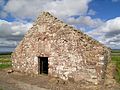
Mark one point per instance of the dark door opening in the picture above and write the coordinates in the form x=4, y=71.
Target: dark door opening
x=43, y=65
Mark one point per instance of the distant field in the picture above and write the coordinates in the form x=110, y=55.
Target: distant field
x=115, y=52
x=116, y=60
x=5, y=60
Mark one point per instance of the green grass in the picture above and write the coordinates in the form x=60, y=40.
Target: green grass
x=117, y=74
x=5, y=61
x=116, y=60
x=6, y=65
x=1, y=89
x=5, y=56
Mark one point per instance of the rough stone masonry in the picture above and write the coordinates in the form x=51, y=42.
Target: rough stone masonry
x=71, y=53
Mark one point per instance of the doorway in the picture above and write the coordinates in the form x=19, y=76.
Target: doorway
x=43, y=65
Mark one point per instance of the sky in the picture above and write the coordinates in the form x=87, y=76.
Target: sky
x=99, y=19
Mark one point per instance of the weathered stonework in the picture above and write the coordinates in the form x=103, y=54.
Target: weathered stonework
x=71, y=54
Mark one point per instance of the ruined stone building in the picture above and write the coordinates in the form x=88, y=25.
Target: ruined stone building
x=57, y=49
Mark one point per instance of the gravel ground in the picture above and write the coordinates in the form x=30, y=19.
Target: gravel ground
x=18, y=81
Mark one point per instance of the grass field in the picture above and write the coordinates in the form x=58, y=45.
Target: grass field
x=5, y=60
x=116, y=60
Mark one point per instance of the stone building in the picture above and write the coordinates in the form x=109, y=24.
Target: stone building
x=57, y=49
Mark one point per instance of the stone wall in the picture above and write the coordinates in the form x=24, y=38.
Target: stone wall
x=71, y=54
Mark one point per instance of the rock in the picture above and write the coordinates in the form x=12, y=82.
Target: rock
x=10, y=71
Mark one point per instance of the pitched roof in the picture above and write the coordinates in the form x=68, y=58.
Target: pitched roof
x=46, y=17
x=49, y=18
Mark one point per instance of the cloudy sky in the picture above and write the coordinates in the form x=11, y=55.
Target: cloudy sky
x=97, y=18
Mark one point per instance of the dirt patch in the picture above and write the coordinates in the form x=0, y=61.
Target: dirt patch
x=18, y=81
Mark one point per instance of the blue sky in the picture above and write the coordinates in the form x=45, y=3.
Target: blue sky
x=99, y=19
x=106, y=9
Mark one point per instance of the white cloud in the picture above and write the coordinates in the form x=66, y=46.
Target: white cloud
x=108, y=33
x=109, y=26
x=2, y=2
x=3, y=14
x=65, y=8
x=8, y=28
x=31, y=8
x=25, y=8
x=115, y=0
x=82, y=29
x=12, y=32
x=85, y=20
x=91, y=12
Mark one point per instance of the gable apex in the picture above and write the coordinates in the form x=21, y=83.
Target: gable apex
x=46, y=13
x=45, y=16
